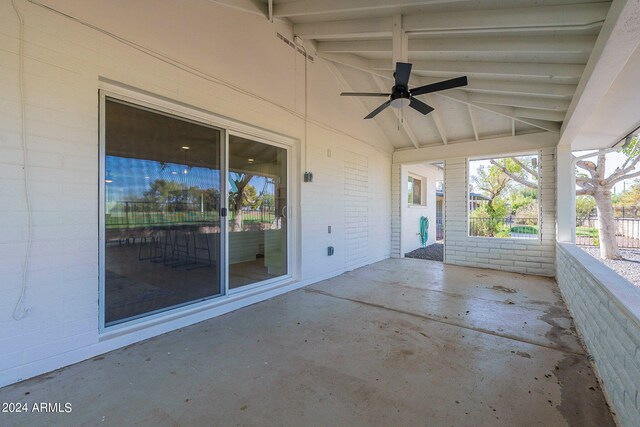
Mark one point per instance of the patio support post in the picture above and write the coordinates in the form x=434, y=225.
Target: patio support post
x=565, y=195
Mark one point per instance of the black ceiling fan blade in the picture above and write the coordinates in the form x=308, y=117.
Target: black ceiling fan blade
x=403, y=71
x=420, y=106
x=364, y=94
x=443, y=85
x=378, y=110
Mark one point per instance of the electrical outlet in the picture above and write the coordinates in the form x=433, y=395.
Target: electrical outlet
x=329, y=229
x=328, y=152
x=308, y=177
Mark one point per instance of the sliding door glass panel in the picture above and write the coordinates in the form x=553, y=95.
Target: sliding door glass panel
x=257, y=186
x=162, y=204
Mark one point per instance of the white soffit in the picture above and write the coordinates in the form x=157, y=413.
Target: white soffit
x=607, y=103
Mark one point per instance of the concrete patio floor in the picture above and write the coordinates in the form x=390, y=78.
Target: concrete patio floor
x=399, y=342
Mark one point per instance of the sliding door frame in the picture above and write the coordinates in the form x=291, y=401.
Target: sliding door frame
x=288, y=230
x=227, y=126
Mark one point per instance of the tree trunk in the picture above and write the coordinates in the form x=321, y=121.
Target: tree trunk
x=606, y=225
x=237, y=221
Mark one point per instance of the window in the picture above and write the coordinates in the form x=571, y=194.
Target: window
x=503, y=197
x=415, y=196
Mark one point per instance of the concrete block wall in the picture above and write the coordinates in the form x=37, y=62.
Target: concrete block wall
x=606, y=311
x=356, y=219
x=223, y=62
x=331, y=200
x=396, y=210
x=530, y=256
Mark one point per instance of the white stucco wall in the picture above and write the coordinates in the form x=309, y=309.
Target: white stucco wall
x=216, y=59
x=411, y=213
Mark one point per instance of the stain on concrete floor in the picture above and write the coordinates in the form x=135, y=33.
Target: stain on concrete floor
x=400, y=342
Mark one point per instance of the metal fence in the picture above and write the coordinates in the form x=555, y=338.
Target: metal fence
x=625, y=212
x=509, y=227
x=439, y=220
x=627, y=232
x=136, y=214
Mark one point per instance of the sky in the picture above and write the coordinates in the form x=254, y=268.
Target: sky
x=132, y=177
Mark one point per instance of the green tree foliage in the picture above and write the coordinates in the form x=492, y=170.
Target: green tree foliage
x=174, y=196
x=523, y=170
x=523, y=201
x=493, y=183
x=489, y=216
x=511, y=184
x=488, y=222
x=631, y=197
x=265, y=200
x=584, y=206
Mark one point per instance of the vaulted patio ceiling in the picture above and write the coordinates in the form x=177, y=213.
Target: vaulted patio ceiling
x=524, y=59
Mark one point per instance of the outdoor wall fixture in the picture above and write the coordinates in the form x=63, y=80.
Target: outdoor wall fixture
x=308, y=177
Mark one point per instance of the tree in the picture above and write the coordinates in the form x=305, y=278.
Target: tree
x=584, y=206
x=493, y=183
x=240, y=197
x=630, y=198
x=265, y=200
x=523, y=170
x=593, y=181
x=490, y=215
x=524, y=202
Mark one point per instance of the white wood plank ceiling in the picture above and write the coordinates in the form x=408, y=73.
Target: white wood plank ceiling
x=524, y=59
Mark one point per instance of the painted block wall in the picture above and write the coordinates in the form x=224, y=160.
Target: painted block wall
x=222, y=61
x=531, y=256
x=396, y=210
x=606, y=310
x=411, y=214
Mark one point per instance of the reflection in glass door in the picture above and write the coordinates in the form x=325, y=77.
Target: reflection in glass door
x=257, y=187
x=161, y=212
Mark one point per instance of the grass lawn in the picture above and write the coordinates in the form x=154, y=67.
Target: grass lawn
x=587, y=232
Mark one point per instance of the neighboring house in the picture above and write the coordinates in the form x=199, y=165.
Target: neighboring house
x=476, y=199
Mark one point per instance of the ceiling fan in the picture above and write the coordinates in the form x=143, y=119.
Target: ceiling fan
x=401, y=95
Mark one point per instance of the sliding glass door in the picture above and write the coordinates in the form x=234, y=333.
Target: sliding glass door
x=166, y=189
x=257, y=188
x=161, y=212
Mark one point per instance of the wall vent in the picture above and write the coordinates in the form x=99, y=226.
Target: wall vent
x=293, y=46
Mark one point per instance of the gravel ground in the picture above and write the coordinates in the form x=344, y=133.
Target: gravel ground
x=432, y=252
x=629, y=267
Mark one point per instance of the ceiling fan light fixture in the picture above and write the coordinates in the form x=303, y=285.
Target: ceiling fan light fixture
x=400, y=103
